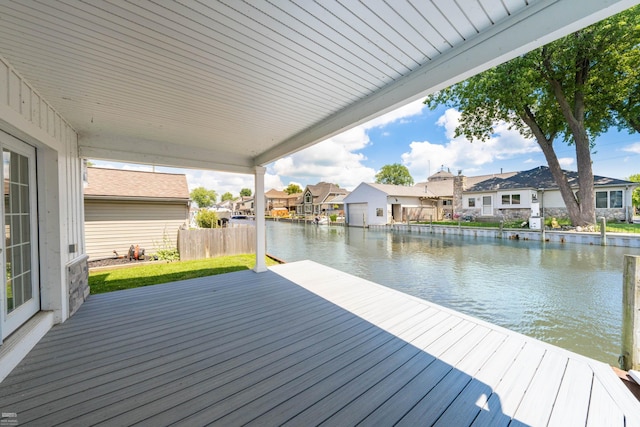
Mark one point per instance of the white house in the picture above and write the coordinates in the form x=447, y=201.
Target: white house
x=376, y=204
x=207, y=86
x=514, y=197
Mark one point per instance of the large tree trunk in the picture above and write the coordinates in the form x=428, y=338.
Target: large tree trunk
x=546, y=144
x=586, y=196
x=574, y=114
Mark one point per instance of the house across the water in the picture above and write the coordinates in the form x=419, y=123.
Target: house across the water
x=322, y=198
x=513, y=197
x=504, y=196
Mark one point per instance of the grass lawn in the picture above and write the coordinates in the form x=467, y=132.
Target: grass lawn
x=622, y=227
x=152, y=274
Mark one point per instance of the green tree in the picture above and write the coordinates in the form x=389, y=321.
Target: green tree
x=226, y=196
x=207, y=219
x=635, y=197
x=245, y=192
x=293, y=189
x=203, y=197
x=573, y=89
x=395, y=174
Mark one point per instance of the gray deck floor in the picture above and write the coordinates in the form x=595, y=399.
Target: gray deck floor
x=303, y=345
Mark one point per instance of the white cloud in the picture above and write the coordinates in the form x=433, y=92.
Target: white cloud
x=221, y=182
x=633, y=148
x=565, y=162
x=334, y=160
x=425, y=157
x=338, y=159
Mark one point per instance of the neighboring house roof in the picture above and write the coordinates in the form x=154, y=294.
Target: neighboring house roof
x=402, y=190
x=539, y=177
x=336, y=198
x=473, y=180
x=440, y=184
x=280, y=194
x=121, y=184
x=440, y=175
x=275, y=194
x=322, y=190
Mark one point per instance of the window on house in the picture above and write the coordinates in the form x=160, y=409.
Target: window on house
x=609, y=199
x=615, y=199
x=511, y=199
x=472, y=203
x=601, y=199
x=307, y=198
x=447, y=202
x=379, y=212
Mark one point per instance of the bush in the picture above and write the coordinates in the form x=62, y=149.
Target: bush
x=333, y=217
x=207, y=219
x=166, y=251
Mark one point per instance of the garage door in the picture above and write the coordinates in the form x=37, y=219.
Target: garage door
x=358, y=214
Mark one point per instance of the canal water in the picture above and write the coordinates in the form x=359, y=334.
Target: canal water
x=569, y=295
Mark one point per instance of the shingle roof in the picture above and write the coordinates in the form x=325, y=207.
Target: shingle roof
x=539, y=177
x=322, y=190
x=443, y=184
x=280, y=194
x=403, y=190
x=126, y=184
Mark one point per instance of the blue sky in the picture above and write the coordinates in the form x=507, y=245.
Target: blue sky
x=421, y=139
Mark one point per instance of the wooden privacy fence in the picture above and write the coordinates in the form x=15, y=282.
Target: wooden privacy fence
x=212, y=242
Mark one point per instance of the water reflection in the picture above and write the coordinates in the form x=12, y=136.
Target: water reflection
x=569, y=295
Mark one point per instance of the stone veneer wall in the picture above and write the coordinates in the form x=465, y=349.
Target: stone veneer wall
x=78, y=282
x=513, y=214
x=617, y=214
x=459, y=185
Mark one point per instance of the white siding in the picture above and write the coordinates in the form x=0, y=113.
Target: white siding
x=525, y=199
x=112, y=225
x=26, y=115
x=374, y=199
x=552, y=199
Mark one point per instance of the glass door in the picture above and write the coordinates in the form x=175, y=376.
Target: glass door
x=20, y=287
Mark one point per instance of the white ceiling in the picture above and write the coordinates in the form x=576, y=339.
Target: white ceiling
x=232, y=84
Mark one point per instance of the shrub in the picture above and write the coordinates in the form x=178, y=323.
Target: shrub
x=166, y=250
x=207, y=219
x=333, y=217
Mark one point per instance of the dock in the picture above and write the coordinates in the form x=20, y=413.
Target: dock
x=302, y=344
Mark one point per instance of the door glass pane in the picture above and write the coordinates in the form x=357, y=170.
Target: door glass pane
x=17, y=229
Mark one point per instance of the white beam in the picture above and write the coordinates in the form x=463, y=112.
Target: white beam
x=258, y=206
x=536, y=25
x=137, y=150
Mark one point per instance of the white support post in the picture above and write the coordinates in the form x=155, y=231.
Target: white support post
x=261, y=230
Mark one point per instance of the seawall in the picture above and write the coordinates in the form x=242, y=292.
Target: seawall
x=583, y=238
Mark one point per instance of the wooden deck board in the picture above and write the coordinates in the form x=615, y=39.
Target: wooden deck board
x=304, y=345
x=467, y=405
x=572, y=403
